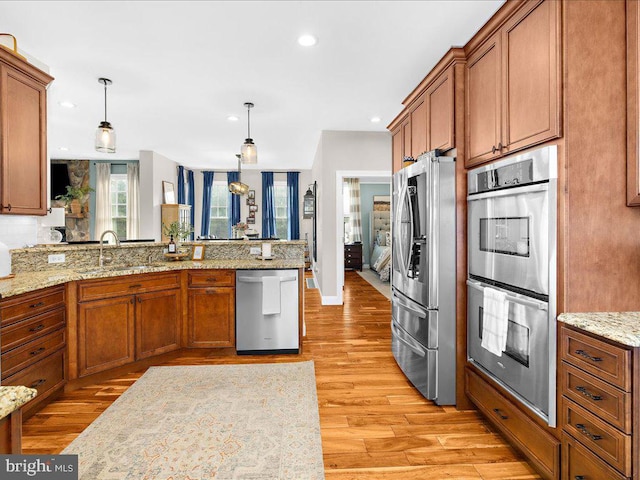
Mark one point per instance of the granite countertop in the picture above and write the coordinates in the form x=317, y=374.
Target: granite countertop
x=621, y=327
x=28, y=282
x=12, y=398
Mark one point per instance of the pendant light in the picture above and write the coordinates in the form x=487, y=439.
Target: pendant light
x=249, y=150
x=238, y=188
x=105, y=134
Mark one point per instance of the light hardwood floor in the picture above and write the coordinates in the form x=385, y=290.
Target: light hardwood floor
x=374, y=424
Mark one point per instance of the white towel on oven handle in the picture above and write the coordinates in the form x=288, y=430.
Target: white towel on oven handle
x=495, y=321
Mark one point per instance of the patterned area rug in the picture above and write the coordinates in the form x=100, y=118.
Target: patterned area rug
x=218, y=422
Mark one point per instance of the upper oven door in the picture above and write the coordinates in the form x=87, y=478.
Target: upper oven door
x=509, y=237
x=410, y=232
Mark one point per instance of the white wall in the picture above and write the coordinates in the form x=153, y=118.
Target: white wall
x=354, y=153
x=154, y=169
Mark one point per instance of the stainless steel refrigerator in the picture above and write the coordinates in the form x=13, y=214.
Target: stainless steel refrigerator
x=423, y=324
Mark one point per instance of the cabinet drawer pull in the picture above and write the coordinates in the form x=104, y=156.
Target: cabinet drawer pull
x=36, y=305
x=500, y=414
x=493, y=149
x=500, y=146
x=7, y=207
x=135, y=285
x=36, y=352
x=580, y=477
x=586, y=393
x=37, y=329
x=211, y=279
x=586, y=432
x=37, y=383
x=584, y=354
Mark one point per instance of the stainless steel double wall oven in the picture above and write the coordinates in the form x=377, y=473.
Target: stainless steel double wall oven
x=512, y=248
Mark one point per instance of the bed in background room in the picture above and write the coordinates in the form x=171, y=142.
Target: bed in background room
x=380, y=225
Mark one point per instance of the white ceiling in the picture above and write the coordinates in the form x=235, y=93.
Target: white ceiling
x=180, y=68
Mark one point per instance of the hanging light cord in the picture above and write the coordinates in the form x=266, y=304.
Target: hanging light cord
x=105, y=101
x=248, y=121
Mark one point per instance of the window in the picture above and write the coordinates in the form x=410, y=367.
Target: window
x=220, y=210
x=119, y=204
x=280, y=200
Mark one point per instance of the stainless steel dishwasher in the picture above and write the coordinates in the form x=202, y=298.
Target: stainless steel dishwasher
x=267, y=312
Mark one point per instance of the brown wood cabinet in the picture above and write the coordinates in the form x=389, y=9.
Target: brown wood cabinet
x=540, y=447
x=11, y=433
x=23, y=137
x=439, y=98
x=633, y=104
x=136, y=317
x=32, y=335
x=211, y=314
x=157, y=323
x=418, y=120
x=513, y=84
x=397, y=148
x=598, y=417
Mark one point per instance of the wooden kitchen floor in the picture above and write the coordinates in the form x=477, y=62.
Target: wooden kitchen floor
x=374, y=424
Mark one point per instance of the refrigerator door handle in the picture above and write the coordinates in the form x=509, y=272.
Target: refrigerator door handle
x=402, y=303
x=432, y=234
x=414, y=348
x=398, y=223
x=409, y=256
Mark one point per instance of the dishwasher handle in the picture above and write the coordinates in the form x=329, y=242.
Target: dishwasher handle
x=291, y=278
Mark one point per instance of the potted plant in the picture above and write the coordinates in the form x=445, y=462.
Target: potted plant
x=179, y=230
x=75, y=197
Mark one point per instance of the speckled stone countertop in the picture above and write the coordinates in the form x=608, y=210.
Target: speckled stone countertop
x=28, y=282
x=621, y=327
x=12, y=398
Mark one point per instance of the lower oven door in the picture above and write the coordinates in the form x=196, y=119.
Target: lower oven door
x=523, y=368
x=418, y=362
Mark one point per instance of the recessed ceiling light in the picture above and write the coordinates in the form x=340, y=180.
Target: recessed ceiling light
x=233, y=118
x=67, y=104
x=375, y=119
x=307, y=40
x=64, y=149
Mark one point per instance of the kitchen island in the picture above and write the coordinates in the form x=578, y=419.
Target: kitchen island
x=63, y=324
x=11, y=401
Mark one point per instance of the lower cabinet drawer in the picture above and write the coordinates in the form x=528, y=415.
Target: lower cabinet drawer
x=541, y=448
x=579, y=463
x=608, y=443
x=44, y=375
x=22, y=357
x=18, y=334
x=212, y=278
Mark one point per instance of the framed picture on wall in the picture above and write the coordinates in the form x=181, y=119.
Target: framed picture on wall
x=251, y=201
x=253, y=208
x=251, y=220
x=169, y=193
x=251, y=195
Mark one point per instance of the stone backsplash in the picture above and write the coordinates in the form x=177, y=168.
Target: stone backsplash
x=24, y=260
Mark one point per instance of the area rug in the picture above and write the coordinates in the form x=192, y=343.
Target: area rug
x=218, y=422
x=374, y=280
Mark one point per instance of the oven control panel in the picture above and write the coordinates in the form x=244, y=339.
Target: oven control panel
x=513, y=175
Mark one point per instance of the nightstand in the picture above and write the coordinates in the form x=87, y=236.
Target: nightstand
x=353, y=256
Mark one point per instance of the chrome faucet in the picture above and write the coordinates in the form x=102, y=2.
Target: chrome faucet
x=106, y=259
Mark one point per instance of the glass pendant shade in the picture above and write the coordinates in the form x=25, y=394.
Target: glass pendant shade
x=249, y=152
x=105, y=138
x=105, y=134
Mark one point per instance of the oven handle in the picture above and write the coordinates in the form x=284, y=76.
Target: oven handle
x=539, y=187
x=415, y=349
x=511, y=298
x=402, y=303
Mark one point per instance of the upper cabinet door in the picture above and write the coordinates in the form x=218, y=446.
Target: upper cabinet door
x=406, y=137
x=483, y=102
x=396, y=142
x=531, y=76
x=23, y=138
x=440, y=120
x=633, y=104
x=419, y=127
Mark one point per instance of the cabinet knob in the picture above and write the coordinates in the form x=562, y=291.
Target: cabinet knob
x=500, y=146
x=493, y=149
x=7, y=207
x=500, y=414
